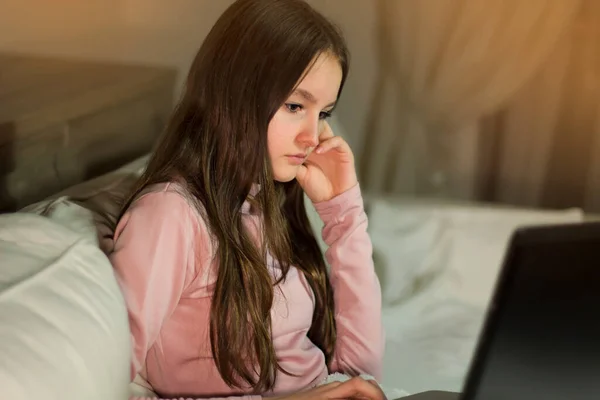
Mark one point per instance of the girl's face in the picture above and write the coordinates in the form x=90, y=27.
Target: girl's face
x=295, y=128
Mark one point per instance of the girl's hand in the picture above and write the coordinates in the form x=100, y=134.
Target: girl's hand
x=355, y=388
x=329, y=170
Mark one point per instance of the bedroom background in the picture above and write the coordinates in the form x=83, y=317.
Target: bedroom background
x=468, y=118
x=496, y=101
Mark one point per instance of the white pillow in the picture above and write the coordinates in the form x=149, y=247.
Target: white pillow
x=91, y=208
x=480, y=237
x=410, y=250
x=63, y=323
x=453, y=251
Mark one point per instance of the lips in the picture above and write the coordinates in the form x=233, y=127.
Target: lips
x=297, y=159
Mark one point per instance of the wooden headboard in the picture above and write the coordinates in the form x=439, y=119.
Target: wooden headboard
x=66, y=121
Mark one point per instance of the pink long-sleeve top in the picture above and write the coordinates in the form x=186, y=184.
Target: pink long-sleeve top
x=163, y=260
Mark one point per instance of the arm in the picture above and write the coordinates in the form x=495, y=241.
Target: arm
x=153, y=259
x=357, y=293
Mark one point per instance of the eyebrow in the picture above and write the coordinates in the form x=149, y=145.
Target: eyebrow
x=308, y=96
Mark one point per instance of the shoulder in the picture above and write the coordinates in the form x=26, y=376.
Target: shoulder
x=163, y=229
x=164, y=204
x=163, y=210
x=165, y=200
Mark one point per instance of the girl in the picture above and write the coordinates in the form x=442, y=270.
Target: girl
x=227, y=291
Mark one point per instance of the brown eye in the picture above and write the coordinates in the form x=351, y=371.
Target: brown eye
x=325, y=114
x=293, y=108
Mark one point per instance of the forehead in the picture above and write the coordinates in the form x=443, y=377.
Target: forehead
x=323, y=80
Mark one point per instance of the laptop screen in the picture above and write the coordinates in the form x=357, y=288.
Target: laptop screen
x=543, y=338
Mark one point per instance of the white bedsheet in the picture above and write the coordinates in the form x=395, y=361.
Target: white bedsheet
x=429, y=344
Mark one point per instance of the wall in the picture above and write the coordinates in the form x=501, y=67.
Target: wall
x=169, y=33
x=58, y=27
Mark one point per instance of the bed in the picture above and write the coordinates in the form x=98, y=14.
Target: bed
x=437, y=262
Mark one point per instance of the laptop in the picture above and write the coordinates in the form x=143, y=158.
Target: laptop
x=541, y=336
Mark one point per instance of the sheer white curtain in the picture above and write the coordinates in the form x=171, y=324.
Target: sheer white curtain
x=549, y=133
x=443, y=65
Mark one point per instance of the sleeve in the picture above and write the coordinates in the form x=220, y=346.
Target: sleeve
x=153, y=258
x=152, y=255
x=357, y=293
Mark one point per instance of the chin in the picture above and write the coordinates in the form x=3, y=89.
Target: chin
x=285, y=179
x=284, y=176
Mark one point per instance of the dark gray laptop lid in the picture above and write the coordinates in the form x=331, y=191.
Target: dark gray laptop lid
x=541, y=339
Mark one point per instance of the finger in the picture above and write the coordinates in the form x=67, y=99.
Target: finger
x=335, y=142
x=373, y=382
x=322, y=391
x=377, y=385
x=374, y=386
x=356, y=387
x=328, y=386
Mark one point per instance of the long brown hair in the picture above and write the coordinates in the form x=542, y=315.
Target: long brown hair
x=216, y=141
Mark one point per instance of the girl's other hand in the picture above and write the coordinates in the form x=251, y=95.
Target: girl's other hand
x=355, y=388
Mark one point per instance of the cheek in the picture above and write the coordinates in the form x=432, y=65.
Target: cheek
x=280, y=135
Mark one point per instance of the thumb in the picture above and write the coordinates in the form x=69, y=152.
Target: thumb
x=356, y=387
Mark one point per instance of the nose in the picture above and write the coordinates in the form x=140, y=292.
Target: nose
x=309, y=135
